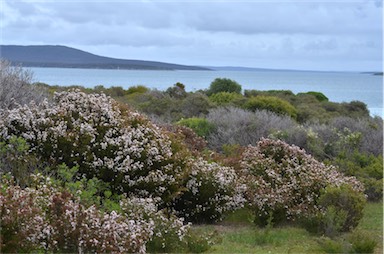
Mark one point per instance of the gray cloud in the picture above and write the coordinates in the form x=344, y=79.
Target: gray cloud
x=249, y=33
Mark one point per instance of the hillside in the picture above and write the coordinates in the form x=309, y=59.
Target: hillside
x=66, y=57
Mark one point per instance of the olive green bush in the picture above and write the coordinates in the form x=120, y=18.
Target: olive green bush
x=223, y=85
x=271, y=103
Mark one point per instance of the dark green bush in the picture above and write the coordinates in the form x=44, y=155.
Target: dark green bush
x=319, y=96
x=223, y=85
x=271, y=103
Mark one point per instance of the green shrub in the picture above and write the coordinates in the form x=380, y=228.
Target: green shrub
x=137, y=89
x=223, y=85
x=319, y=96
x=332, y=246
x=16, y=159
x=271, y=103
x=199, y=125
x=226, y=98
x=362, y=242
x=343, y=207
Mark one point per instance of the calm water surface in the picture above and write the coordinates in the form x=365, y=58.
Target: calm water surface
x=337, y=86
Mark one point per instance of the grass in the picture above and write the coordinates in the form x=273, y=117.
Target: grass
x=237, y=234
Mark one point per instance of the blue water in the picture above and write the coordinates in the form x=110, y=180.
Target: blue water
x=337, y=86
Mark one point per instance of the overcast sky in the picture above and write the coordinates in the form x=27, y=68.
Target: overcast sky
x=301, y=34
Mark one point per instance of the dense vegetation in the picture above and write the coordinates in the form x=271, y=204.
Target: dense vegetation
x=114, y=170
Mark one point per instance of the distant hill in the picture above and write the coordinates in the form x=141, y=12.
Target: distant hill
x=66, y=57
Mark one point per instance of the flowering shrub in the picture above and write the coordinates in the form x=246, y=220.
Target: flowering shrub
x=104, y=139
x=284, y=182
x=211, y=190
x=169, y=231
x=46, y=218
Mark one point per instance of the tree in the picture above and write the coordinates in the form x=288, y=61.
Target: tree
x=223, y=85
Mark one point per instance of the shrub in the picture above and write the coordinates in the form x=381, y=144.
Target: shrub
x=137, y=89
x=223, y=85
x=319, y=96
x=285, y=182
x=343, y=199
x=195, y=105
x=177, y=91
x=271, y=103
x=104, y=139
x=362, y=242
x=52, y=220
x=200, y=126
x=238, y=126
x=15, y=159
x=16, y=88
x=211, y=190
x=226, y=98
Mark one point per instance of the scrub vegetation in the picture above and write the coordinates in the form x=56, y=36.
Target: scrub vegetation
x=142, y=170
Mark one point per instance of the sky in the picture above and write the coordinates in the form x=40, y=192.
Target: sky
x=330, y=35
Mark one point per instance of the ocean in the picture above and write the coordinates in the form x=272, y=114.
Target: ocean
x=337, y=86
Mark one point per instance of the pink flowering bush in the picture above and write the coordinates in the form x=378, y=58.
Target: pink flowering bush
x=211, y=190
x=103, y=138
x=46, y=218
x=285, y=183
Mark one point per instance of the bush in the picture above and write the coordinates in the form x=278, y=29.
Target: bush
x=345, y=201
x=238, y=126
x=104, y=139
x=362, y=242
x=319, y=96
x=226, y=98
x=48, y=219
x=271, y=103
x=223, y=85
x=284, y=182
x=16, y=88
x=15, y=159
x=195, y=105
x=199, y=125
x=211, y=190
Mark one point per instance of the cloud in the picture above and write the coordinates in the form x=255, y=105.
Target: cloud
x=212, y=32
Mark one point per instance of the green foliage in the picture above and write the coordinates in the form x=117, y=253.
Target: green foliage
x=367, y=168
x=362, y=242
x=226, y=98
x=177, y=91
x=200, y=126
x=137, y=89
x=273, y=104
x=319, y=96
x=343, y=209
x=223, y=85
x=16, y=159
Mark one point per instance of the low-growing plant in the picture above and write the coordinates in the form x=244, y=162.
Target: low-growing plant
x=362, y=242
x=223, y=85
x=226, y=98
x=200, y=126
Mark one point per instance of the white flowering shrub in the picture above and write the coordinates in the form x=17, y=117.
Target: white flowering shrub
x=284, y=182
x=211, y=190
x=49, y=219
x=103, y=138
x=169, y=231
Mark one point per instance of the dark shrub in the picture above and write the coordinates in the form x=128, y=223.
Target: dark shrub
x=223, y=85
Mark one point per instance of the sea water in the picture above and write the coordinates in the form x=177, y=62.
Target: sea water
x=337, y=86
